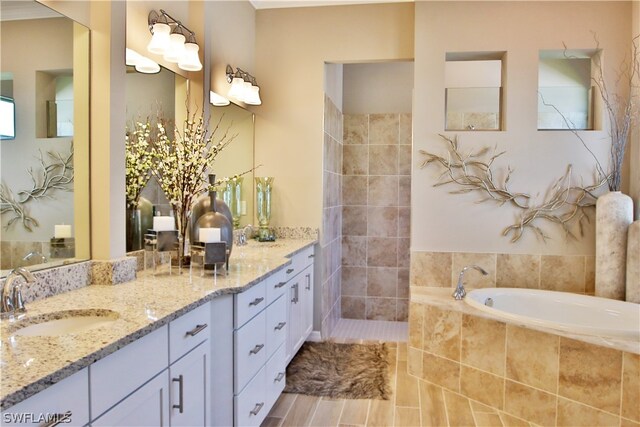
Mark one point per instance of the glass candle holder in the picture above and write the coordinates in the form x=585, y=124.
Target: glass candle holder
x=263, y=204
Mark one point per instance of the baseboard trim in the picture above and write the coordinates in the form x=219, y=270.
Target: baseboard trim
x=314, y=336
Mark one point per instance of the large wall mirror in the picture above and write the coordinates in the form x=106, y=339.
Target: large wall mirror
x=44, y=141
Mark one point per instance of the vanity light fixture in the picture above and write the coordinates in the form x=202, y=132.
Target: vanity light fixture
x=174, y=41
x=243, y=86
x=217, y=99
x=141, y=63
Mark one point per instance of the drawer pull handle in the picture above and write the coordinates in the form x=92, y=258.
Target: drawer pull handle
x=180, y=404
x=257, y=408
x=279, y=377
x=195, y=331
x=281, y=284
x=256, y=301
x=280, y=326
x=58, y=419
x=289, y=270
x=256, y=349
x=312, y=255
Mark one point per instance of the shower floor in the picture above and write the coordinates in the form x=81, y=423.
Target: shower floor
x=371, y=330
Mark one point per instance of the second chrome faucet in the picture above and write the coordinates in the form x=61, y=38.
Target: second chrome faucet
x=460, y=292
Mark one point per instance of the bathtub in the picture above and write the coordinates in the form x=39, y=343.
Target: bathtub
x=578, y=314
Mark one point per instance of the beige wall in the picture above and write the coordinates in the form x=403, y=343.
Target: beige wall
x=454, y=223
x=634, y=149
x=292, y=46
x=378, y=88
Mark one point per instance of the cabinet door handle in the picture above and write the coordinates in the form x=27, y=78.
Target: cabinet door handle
x=58, y=419
x=289, y=270
x=256, y=301
x=295, y=294
x=279, y=285
x=180, y=404
x=279, y=377
x=195, y=331
x=256, y=349
x=257, y=408
x=308, y=287
x=312, y=255
x=280, y=326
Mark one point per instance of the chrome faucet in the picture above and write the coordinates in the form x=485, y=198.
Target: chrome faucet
x=242, y=237
x=12, y=291
x=460, y=292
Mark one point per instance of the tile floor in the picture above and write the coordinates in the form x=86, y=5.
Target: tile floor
x=413, y=402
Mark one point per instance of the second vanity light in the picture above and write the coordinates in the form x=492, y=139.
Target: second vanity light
x=174, y=41
x=243, y=86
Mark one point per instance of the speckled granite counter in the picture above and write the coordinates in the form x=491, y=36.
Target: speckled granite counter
x=31, y=364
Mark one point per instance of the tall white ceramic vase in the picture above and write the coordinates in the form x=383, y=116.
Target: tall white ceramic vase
x=633, y=263
x=614, y=214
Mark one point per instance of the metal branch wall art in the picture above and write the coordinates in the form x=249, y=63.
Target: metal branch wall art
x=565, y=203
x=57, y=174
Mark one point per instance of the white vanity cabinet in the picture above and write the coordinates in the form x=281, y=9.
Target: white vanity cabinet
x=65, y=400
x=300, y=301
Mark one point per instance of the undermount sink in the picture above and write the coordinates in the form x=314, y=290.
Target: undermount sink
x=65, y=322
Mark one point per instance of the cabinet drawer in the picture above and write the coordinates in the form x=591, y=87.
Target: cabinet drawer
x=119, y=374
x=251, y=406
x=276, y=285
x=276, y=324
x=299, y=261
x=69, y=396
x=276, y=379
x=249, y=303
x=250, y=351
x=188, y=331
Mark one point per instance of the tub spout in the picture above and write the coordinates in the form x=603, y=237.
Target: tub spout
x=460, y=292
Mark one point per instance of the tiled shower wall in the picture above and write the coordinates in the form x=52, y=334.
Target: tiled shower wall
x=376, y=200
x=330, y=239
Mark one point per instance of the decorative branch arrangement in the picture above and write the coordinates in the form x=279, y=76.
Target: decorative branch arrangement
x=565, y=204
x=9, y=205
x=138, y=161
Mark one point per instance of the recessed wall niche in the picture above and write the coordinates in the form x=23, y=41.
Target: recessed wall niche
x=565, y=92
x=473, y=91
x=54, y=104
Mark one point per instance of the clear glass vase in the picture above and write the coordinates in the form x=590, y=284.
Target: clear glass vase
x=263, y=204
x=232, y=196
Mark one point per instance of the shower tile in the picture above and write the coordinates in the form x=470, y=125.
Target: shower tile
x=402, y=310
x=382, y=282
x=383, y=160
x=531, y=404
x=431, y=269
x=482, y=386
x=381, y=309
x=355, y=159
x=403, y=283
x=440, y=371
x=356, y=129
x=405, y=128
x=518, y=271
x=631, y=387
x=532, y=358
x=355, y=189
x=383, y=191
x=5, y=255
x=404, y=253
x=441, y=332
x=382, y=221
x=472, y=278
x=404, y=160
x=354, y=221
x=404, y=222
x=562, y=273
x=404, y=191
x=590, y=374
x=416, y=319
x=483, y=344
x=353, y=307
x=575, y=414
x=354, y=281
x=382, y=252
x=384, y=128
x=354, y=251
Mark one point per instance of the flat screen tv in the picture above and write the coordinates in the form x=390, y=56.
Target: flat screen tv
x=7, y=118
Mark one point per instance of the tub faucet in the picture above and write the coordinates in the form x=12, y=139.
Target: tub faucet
x=460, y=292
x=12, y=292
x=242, y=237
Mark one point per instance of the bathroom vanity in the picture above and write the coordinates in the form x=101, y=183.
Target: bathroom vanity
x=172, y=351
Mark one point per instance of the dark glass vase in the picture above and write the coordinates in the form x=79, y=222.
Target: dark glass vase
x=137, y=222
x=215, y=219
x=202, y=206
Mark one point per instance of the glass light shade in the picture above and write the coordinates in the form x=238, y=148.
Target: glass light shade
x=254, y=96
x=217, y=99
x=190, y=60
x=176, y=48
x=132, y=57
x=160, y=39
x=236, y=88
x=147, y=66
x=246, y=90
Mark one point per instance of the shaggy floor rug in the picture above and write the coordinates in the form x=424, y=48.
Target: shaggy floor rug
x=348, y=371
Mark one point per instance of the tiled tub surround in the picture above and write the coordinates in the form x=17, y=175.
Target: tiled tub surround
x=536, y=374
x=31, y=364
x=376, y=200
x=566, y=273
x=330, y=276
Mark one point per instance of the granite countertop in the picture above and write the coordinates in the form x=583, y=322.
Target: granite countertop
x=441, y=297
x=31, y=364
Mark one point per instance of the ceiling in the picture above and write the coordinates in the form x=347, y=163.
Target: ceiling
x=17, y=10
x=274, y=4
